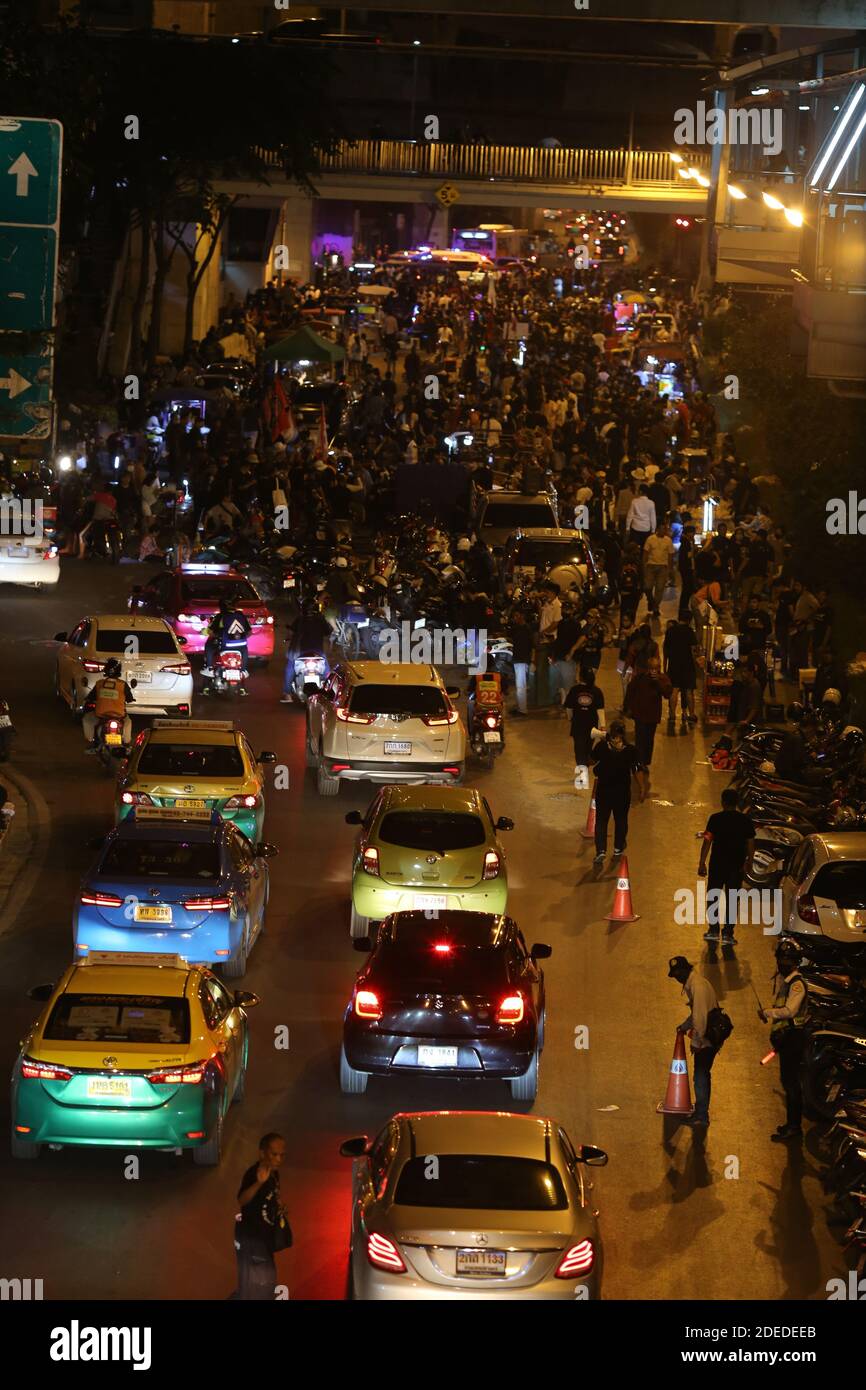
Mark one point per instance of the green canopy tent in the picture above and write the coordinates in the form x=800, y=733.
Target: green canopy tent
x=305, y=346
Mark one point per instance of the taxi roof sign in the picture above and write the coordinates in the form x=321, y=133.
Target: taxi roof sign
x=173, y=962
x=204, y=568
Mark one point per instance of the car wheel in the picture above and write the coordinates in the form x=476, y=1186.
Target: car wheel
x=327, y=786
x=209, y=1154
x=234, y=968
x=24, y=1148
x=352, y=1082
x=358, y=926
x=525, y=1087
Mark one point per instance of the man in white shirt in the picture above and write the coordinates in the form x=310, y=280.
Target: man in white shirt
x=551, y=612
x=641, y=519
x=658, y=559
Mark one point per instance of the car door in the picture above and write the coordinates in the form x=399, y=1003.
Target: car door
x=525, y=972
x=371, y=1172
x=226, y=1025
x=248, y=875
x=77, y=652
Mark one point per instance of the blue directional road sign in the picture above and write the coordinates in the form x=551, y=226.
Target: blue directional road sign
x=31, y=152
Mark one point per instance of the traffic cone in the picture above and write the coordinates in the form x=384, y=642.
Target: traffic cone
x=622, y=910
x=678, y=1099
x=589, y=832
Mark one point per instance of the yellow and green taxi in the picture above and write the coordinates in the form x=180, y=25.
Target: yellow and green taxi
x=426, y=848
x=133, y=1050
x=196, y=765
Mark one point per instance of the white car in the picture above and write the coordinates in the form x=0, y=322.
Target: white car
x=823, y=890
x=151, y=660
x=31, y=562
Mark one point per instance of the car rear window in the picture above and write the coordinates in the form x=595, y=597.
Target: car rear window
x=844, y=883
x=133, y=1018
x=517, y=514
x=486, y=1182
x=132, y=642
x=413, y=700
x=210, y=589
x=177, y=760
x=413, y=931
x=160, y=859
x=433, y=830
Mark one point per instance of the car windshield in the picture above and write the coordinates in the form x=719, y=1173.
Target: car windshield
x=435, y=830
x=129, y=1018
x=134, y=642
x=549, y=553
x=516, y=515
x=844, y=883
x=398, y=699
x=177, y=760
x=160, y=859
x=483, y=1182
x=210, y=589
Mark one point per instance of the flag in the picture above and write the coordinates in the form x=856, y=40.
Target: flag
x=276, y=407
x=291, y=431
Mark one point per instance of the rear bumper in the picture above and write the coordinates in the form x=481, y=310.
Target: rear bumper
x=154, y=1127
x=195, y=944
x=385, y=772
x=30, y=571
x=478, y=1059
x=370, y=1284
x=377, y=901
x=260, y=643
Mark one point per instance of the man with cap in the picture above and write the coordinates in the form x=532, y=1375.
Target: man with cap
x=788, y=1017
x=702, y=1000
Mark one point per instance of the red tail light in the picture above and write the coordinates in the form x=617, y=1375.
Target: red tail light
x=180, y=668
x=231, y=661
x=370, y=861
x=384, y=1254
x=101, y=900
x=492, y=864
x=443, y=948
x=93, y=665
x=237, y=803
x=492, y=721
x=576, y=1261
x=43, y=1071
x=367, y=1004
x=345, y=715
x=432, y=720
x=807, y=909
x=511, y=1009
x=113, y=725
x=207, y=904
x=177, y=1076
x=136, y=799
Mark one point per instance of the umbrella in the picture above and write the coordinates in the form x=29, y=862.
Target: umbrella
x=305, y=346
x=375, y=291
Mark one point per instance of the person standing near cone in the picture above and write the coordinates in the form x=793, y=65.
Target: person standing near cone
x=788, y=1018
x=585, y=703
x=702, y=1000
x=615, y=762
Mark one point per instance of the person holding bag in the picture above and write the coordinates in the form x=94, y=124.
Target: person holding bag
x=262, y=1225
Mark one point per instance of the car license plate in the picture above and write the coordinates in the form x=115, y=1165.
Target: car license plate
x=143, y=677
x=436, y=1056
x=109, y=1088
x=481, y=1262
x=394, y=746
x=231, y=675
x=190, y=804
x=157, y=912
x=422, y=902
x=19, y=552
x=289, y=583
x=5, y=721
x=492, y=738
x=114, y=740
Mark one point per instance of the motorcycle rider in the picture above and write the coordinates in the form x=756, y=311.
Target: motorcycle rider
x=109, y=697
x=793, y=761
x=308, y=635
x=788, y=1017
x=229, y=628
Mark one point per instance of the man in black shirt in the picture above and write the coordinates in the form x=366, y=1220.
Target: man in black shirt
x=729, y=840
x=615, y=761
x=261, y=1226
x=586, y=704
x=562, y=650
x=755, y=627
x=522, y=638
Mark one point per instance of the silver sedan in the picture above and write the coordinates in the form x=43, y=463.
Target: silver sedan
x=475, y=1205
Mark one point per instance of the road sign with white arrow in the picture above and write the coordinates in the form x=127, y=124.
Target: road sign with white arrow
x=30, y=171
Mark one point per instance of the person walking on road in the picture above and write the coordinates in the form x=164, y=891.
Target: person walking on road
x=522, y=638
x=788, y=1017
x=586, y=705
x=681, y=654
x=658, y=562
x=615, y=761
x=729, y=840
x=641, y=519
x=702, y=1000
x=262, y=1224
x=643, y=702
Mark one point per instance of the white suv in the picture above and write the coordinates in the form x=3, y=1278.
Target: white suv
x=384, y=722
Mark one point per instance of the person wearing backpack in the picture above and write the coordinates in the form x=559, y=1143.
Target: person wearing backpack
x=788, y=1017
x=702, y=1002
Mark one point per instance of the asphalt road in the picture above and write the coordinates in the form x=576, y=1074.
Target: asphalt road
x=731, y=1216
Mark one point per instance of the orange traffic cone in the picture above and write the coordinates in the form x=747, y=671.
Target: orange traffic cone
x=589, y=832
x=678, y=1100
x=622, y=910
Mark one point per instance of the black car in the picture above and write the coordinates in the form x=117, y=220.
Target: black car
x=456, y=994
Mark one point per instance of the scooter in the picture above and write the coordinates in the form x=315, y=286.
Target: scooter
x=7, y=731
x=227, y=674
x=311, y=668
x=108, y=737
x=486, y=717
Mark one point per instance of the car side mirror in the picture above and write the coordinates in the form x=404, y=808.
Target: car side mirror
x=362, y=943
x=505, y=823
x=591, y=1156
x=541, y=951
x=245, y=999
x=355, y=1148
x=61, y=637
x=453, y=692
x=40, y=992
x=267, y=757
x=354, y=818
x=265, y=850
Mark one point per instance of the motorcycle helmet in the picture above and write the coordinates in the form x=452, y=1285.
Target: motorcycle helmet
x=341, y=563
x=111, y=667
x=795, y=712
x=463, y=544
x=444, y=559
x=380, y=581
x=787, y=955
x=831, y=696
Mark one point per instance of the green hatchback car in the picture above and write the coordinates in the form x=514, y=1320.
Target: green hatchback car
x=424, y=848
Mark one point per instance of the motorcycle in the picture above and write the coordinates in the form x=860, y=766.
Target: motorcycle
x=486, y=718
x=105, y=541
x=110, y=747
x=311, y=668
x=7, y=731
x=228, y=674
